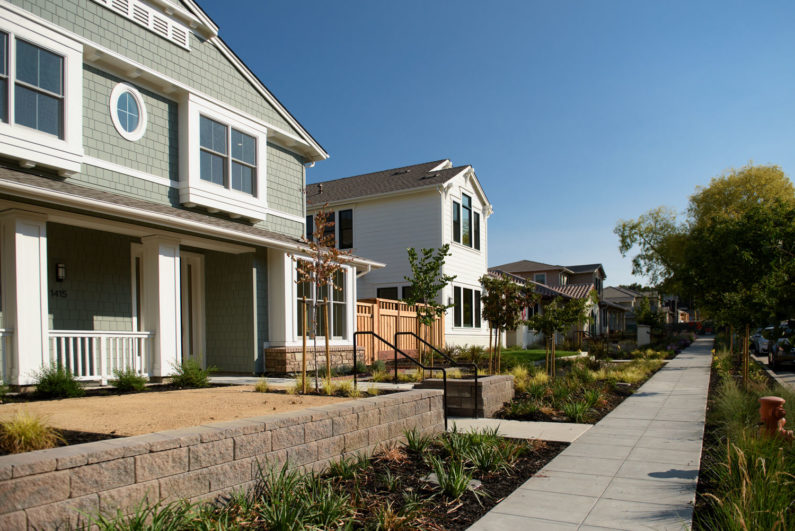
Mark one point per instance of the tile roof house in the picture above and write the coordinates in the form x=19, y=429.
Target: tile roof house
x=381, y=214
x=150, y=188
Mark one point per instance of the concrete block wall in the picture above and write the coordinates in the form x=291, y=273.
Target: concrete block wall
x=492, y=392
x=49, y=489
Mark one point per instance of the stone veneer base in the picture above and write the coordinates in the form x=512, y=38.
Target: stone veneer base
x=49, y=489
x=286, y=360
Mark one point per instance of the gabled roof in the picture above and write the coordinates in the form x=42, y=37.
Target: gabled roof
x=541, y=289
x=395, y=180
x=318, y=152
x=588, y=268
x=527, y=266
x=576, y=291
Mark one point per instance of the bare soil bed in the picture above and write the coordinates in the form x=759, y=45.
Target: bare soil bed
x=136, y=414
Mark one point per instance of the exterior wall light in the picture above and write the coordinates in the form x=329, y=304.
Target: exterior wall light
x=60, y=272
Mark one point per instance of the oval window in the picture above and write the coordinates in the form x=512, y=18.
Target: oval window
x=128, y=112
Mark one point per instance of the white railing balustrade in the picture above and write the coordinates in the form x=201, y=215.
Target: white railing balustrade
x=95, y=355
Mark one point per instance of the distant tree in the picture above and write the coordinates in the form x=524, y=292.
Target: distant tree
x=426, y=281
x=555, y=317
x=644, y=315
x=502, y=303
x=318, y=268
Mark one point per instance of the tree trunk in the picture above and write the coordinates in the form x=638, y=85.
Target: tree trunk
x=498, y=340
x=328, y=334
x=746, y=357
x=548, y=366
x=303, y=348
x=553, y=359
x=491, y=354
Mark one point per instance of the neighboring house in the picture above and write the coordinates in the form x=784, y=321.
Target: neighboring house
x=577, y=281
x=150, y=188
x=381, y=214
x=629, y=299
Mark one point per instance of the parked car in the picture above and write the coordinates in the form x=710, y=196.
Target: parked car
x=760, y=340
x=780, y=348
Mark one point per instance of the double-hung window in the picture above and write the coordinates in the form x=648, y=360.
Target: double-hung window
x=330, y=298
x=466, y=307
x=38, y=88
x=228, y=156
x=345, y=231
x=466, y=223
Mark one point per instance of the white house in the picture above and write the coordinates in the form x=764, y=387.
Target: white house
x=150, y=196
x=381, y=214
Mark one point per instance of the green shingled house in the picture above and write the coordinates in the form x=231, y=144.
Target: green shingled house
x=151, y=195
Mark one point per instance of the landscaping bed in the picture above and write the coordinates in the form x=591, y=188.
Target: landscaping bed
x=583, y=391
x=746, y=480
x=117, y=415
x=391, y=490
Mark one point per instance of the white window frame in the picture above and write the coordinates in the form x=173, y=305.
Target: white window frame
x=193, y=191
x=30, y=146
x=348, y=294
x=137, y=133
x=476, y=294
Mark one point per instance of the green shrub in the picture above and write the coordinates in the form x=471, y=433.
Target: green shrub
x=172, y=517
x=416, y=442
x=56, y=382
x=378, y=366
x=3, y=391
x=576, y=410
x=25, y=433
x=382, y=376
x=128, y=381
x=191, y=375
x=261, y=386
x=452, y=476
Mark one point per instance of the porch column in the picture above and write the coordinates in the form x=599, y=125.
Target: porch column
x=281, y=298
x=24, y=282
x=161, y=302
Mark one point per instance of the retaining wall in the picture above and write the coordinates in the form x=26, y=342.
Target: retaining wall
x=49, y=488
x=492, y=392
x=286, y=360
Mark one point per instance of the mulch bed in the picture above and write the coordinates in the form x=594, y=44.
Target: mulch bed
x=440, y=513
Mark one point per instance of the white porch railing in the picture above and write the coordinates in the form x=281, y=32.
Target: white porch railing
x=94, y=355
x=5, y=352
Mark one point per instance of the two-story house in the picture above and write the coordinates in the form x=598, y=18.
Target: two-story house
x=150, y=195
x=381, y=214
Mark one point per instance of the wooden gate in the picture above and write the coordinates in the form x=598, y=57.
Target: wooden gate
x=385, y=317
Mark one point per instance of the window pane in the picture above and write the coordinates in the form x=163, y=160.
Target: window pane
x=4, y=100
x=457, y=307
x=477, y=309
x=338, y=294
x=242, y=178
x=338, y=320
x=466, y=227
x=50, y=72
x=27, y=63
x=212, y=168
x=466, y=200
x=329, y=230
x=3, y=53
x=212, y=135
x=346, y=229
x=38, y=111
x=387, y=293
x=321, y=320
x=299, y=318
x=467, y=307
x=244, y=147
x=310, y=227
x=127, y=112
x=477, y=231
x=456, y=222
x=406, y=292
x=540, y=278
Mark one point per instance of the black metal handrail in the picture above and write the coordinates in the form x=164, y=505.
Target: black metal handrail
x=454, y=363
x=398, y=351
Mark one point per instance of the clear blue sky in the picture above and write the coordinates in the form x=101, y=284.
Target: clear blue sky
x=573, y=114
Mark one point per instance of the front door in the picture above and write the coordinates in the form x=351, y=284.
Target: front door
x=192, y=295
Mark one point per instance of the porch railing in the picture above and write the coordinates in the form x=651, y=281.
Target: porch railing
x=95, y=355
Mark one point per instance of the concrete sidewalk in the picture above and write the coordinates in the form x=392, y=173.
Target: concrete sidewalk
x=636, y=469
x=519, y=429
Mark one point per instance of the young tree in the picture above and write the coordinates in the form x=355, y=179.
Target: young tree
x=320, y=266
x=555, y=317
x=502, y=304
x=426, y=281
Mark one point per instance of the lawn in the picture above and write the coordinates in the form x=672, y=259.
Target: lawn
x=514, y=357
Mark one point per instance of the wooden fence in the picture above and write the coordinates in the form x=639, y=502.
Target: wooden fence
x=385, y=317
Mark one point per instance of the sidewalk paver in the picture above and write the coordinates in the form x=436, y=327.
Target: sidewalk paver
x=517, y=429
x=636, y=469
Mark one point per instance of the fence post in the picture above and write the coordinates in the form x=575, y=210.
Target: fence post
x=101, y=367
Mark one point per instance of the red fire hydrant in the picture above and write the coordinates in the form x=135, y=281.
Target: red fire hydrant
x=771, y=409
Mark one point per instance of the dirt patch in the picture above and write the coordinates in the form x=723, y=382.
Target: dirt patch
x=137, y=414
